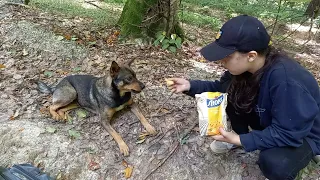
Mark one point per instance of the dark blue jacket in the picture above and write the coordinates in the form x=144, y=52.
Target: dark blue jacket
x=288, y=106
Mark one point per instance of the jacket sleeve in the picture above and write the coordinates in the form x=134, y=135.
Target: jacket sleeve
x=199, y=86
x=293, y=113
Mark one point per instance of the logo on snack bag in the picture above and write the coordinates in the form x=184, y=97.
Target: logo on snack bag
x=214, y=102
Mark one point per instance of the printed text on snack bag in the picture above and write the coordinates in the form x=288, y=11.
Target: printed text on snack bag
x=214, y=102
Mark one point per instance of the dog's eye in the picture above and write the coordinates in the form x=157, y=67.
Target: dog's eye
x=129, y=79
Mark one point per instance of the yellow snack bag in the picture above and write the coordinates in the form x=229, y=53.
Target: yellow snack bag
x=211, y=107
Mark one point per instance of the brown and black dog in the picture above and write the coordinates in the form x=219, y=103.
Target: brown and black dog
x=101, y=95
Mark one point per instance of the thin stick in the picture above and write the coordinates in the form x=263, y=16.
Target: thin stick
x=164, y=134
x=163, y=104
x=163, y=161
x=90, y=2
x=188, y=131
x=17, y=4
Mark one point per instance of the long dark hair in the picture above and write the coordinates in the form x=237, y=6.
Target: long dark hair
x=244, y=88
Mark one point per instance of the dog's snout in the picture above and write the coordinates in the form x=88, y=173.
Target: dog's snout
x=142, y=86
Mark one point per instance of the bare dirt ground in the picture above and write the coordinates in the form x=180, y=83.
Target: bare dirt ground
x=32, y=49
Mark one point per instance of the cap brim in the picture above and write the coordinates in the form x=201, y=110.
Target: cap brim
x=214, y=52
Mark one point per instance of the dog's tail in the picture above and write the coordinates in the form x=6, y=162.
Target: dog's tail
x=44, y=88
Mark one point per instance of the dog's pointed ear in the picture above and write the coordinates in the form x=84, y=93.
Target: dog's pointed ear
x=114, y=69
x=130, y=62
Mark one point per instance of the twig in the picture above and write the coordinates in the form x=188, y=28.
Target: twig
x=91, y=3
x=164, y=134
x=17, y=4
x=149, y=18
x=276, y=18
x=133, y=122
x=163, y=104
x=188, y=131
x=310, y=31
x=124, y=44
x=293, y=31
x=163, y=161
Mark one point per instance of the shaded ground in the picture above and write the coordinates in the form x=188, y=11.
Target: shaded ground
x=32, y=48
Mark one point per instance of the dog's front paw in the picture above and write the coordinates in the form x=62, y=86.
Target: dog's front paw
x=56, y=117
x=124, y=149
x=151, y=130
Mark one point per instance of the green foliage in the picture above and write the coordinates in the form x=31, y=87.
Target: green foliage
x=200, y=20
x=291, y=10
x=116, y=1
x=171, y=43
x=309, y=169
x=74, y=134
x=132, y=15
x=69, y=7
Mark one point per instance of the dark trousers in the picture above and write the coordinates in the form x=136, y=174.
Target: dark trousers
x=278, y=163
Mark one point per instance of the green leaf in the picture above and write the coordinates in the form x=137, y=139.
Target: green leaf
x=73, y=38
x=159, y=35
x=178, y=42
x=173, y=36
x=162, y=38
x=69, y=118
x=51, y=130
x=81, y=113
x=184, y=140
x=140, y=141
x=48, y=73
x=299, y=1
x=77, y=69
x=92, y=43
x=91, y=151
x=165, y=46
x=74, y=134
x=173, y=49
x=156, y=42
x=60, y=38
x=172, y=41
x=166, y=41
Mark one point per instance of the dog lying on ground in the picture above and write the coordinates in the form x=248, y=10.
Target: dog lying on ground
x=101, y=95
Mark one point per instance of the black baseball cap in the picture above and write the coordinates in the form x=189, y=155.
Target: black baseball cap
x=242, y=33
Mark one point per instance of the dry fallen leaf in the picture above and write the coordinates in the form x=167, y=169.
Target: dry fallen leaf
x=203, y=60
x=143, y=135
x=124, y=163
x=24, y=52
x=128, y=172
x=164, y=110
x=44, y=110
x=93, y=166
x=140, y=141
x=67, y=36
x=116, y=33
x=142, y=138
x=2, y=66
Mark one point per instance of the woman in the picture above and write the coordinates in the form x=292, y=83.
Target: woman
x=267, y=91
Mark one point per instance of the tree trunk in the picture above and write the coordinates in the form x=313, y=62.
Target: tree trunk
x=312, y=10
x=147, y=17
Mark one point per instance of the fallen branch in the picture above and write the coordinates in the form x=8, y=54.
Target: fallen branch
x=163, y=104
x=17, y=4
x=188, y=131
x=163, y=161
x=91, y=3
x=134, y=122
x=293, y=31
x=164, y=134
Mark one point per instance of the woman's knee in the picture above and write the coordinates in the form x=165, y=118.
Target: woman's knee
x=274, y=168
